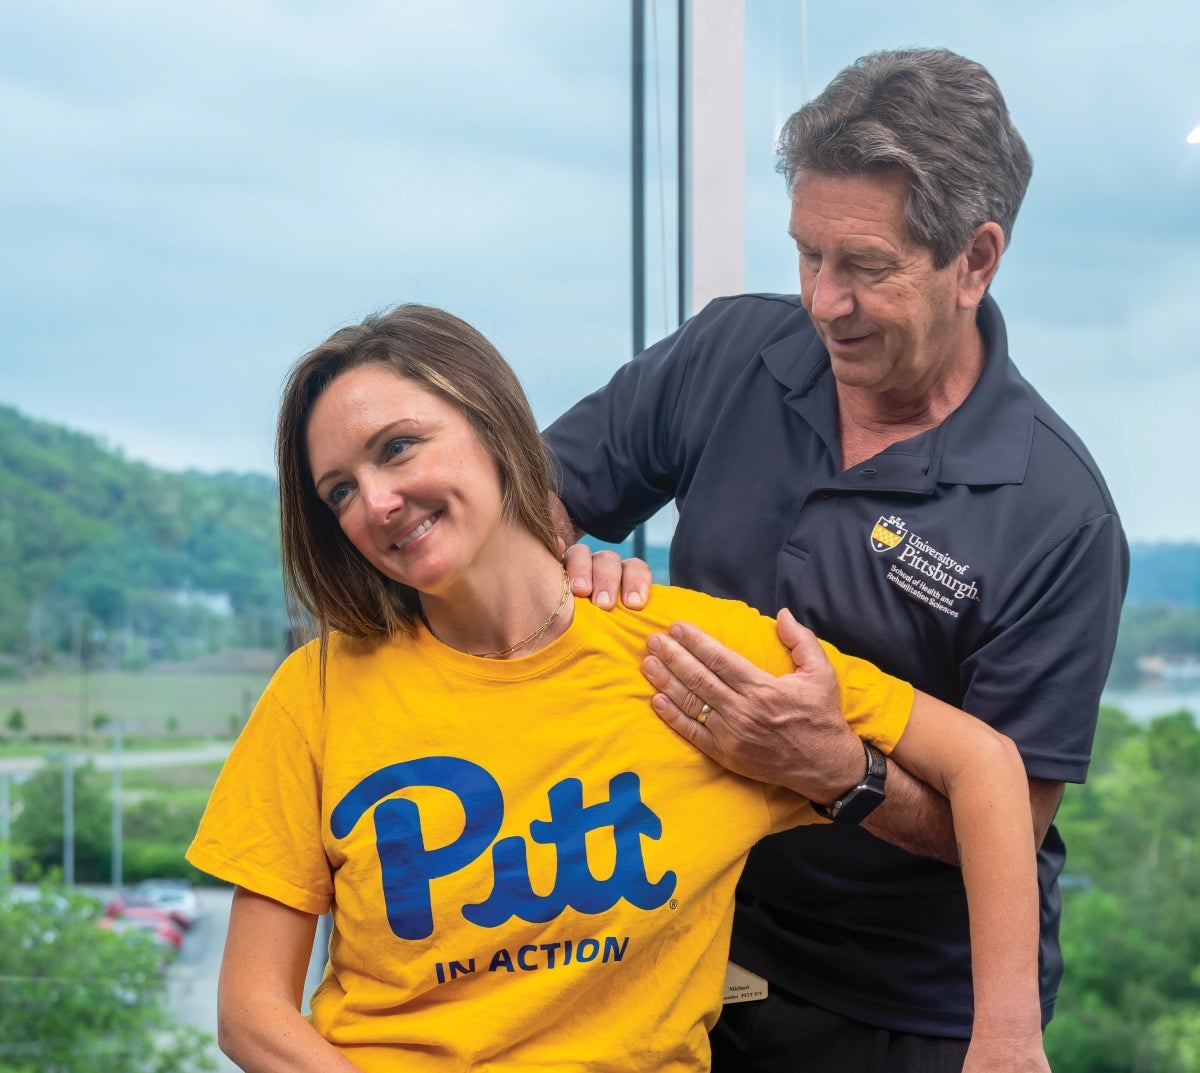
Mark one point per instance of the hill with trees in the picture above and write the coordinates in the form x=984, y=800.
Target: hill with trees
x=116, y=563
x=107, y=563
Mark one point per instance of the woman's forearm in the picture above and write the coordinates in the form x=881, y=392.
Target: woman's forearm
x=265, y=1036
x=982, y=775
x=989, y=798
x=259, y=1024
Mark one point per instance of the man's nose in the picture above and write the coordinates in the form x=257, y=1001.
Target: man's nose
x=830, y=296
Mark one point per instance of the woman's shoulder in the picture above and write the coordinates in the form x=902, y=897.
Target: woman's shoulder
x=673, y=602
x=733, y=623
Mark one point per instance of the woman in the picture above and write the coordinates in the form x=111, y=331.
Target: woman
x=526, y=868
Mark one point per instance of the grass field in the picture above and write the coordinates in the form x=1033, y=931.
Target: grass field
x=202, y=699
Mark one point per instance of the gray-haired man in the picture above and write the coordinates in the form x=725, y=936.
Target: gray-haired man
x=868, y=456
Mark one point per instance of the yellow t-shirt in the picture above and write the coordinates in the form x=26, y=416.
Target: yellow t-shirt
x=527, y=869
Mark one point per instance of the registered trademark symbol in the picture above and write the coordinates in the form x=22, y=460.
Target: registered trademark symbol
x=674, y=904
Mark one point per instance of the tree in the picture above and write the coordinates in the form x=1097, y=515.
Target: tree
x=78, y=999
x=38, y=827
x=1130, y=1001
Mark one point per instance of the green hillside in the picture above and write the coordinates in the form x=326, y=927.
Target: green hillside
x=110, y=564
x=114, y=563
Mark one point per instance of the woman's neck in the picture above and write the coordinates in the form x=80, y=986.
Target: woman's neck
x=513, y=610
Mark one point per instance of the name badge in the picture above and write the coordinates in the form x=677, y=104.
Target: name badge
x=741, y=985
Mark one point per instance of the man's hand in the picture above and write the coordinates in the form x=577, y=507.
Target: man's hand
x=601, y=574
x=789, y=731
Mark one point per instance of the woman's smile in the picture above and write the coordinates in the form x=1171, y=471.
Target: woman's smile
x=406, y=475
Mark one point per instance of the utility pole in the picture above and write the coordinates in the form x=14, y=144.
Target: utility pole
x=116, y=807
x=4, y=826
x=69, y=818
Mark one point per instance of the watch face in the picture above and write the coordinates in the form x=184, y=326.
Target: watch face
x=859, y=804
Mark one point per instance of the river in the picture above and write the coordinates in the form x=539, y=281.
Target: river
x=1147, y=702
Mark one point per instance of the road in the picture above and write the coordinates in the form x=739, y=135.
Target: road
x=192, y=979
x=130, y=758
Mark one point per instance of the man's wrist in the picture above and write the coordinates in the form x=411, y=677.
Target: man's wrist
x=858, y=802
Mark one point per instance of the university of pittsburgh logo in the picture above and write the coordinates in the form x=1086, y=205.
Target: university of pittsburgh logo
x=888, y=533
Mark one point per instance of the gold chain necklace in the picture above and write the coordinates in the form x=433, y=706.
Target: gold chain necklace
x=537, y=634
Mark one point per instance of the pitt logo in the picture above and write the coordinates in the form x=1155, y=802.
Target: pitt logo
x=888, y=533
x=408, y=867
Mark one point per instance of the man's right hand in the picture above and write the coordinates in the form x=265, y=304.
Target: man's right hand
x=601, y=574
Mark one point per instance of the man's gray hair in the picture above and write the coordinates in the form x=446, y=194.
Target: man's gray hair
x=938, y=116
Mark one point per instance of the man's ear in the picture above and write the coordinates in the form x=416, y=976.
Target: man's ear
x=979, y=263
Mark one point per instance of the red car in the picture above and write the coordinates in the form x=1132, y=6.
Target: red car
x=177, y=900
x=143, y=918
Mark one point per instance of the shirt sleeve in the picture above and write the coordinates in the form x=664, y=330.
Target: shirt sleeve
x=1039, y=677
x=875, y=704
x=620, y=449
x=261, y=828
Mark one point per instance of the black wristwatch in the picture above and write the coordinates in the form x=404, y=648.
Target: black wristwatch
x=857, y=803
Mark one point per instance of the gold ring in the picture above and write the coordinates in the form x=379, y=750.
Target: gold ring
x=705, y=712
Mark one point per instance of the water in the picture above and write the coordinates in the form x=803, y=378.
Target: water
x=1147, y=702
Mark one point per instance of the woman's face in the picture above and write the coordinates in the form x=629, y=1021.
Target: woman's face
x=407, y=478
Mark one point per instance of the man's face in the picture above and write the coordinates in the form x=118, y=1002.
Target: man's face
x=891, y=321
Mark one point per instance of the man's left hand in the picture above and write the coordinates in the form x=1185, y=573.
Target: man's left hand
x=789, y=731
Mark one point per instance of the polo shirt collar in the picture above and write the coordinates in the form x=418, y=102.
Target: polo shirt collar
x=987, y=440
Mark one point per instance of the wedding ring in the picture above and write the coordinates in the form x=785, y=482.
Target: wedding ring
x=705, y=712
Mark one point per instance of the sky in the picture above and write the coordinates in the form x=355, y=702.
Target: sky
x=194, y=194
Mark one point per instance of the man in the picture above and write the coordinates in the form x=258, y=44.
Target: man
x=868, y=456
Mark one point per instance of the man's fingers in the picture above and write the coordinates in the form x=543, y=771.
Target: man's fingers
x=594, y=574
x=688, y=728
x=635, y=583
x=606, y=578
x=704, y=661
x=807, y=653
x=602, y=574
x=577, y=562
x=676, y=692
x=691, y=670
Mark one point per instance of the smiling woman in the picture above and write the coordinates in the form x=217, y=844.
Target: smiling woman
x=525, y=868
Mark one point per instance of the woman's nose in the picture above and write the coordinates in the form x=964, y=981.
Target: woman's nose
x=380, y=496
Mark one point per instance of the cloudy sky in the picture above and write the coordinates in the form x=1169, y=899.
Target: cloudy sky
x=192, y=194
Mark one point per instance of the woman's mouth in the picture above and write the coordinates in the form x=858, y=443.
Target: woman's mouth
x=420, y=530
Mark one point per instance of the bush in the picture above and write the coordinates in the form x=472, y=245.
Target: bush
x=77, y=999
x=157, y=860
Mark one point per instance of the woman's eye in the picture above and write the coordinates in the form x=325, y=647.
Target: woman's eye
x=395, y=448
x=337, y=495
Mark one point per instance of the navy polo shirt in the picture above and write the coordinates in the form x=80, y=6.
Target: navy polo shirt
x=982, y=560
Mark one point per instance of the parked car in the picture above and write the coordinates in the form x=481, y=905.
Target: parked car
x=160, y=927
x=175, y=897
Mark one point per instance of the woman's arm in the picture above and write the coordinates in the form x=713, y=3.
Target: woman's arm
x=981, y=773
x=259, y=1024
x=791, y=731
